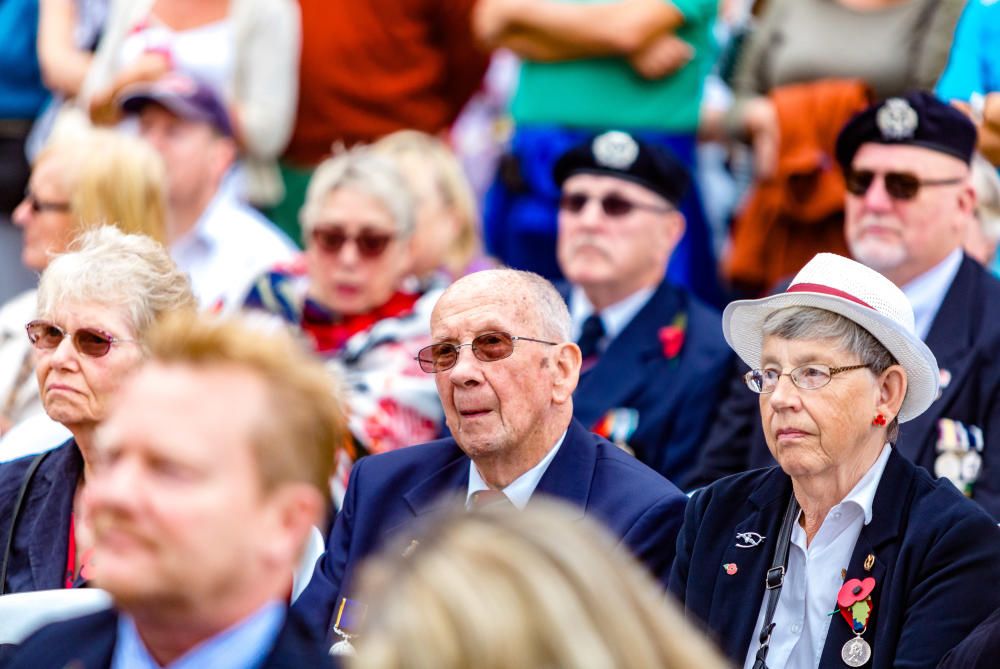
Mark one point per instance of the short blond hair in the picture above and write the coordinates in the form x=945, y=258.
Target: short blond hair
x=111, y=179
x=431, y=153
x=296, y=441
x=538, y=588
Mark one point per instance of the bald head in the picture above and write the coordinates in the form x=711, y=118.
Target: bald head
x=537, y=296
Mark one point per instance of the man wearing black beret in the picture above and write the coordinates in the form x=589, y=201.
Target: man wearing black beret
x=654, y=357
x=909, y=201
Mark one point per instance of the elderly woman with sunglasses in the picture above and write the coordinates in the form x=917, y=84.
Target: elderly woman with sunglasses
x=846, y=553
x=95, y=305
x=348, y=294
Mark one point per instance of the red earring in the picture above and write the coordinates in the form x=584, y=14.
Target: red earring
x=878, y=420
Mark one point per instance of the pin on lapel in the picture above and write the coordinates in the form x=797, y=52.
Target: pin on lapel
x=749, y=539
x=869, y=563
x=730, y=568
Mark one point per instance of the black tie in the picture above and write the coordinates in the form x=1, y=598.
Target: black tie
x=590, y=335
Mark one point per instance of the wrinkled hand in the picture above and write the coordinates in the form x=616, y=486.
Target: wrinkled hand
x=150, y=66
x=491, y=18
x=661, y=57
x=761, y=120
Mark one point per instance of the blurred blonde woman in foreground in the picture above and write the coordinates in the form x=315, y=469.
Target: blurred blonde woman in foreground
x=540, y=588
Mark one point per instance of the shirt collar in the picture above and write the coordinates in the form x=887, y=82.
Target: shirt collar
x=242, y=646
x=614, y=317
x=520, y=489
x=927, y=291
x=863, y=492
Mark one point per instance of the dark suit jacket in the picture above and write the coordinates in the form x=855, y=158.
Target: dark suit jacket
x=676, y=398
x=980, y=650
x=387, y=493
x=88, y=642
x=41, y=541
x=937, y=564
x=965, y=338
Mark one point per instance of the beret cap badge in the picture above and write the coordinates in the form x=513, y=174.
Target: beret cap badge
x=897, y=119
x=616, y=150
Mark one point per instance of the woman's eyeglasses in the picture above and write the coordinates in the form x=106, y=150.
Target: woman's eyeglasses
x=88, y=341
x=488, y=347
x=899, y=185
x=613, y=204
x=807, y=377
x=370, y=243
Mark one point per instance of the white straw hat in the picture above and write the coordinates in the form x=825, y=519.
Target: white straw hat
x=858, y=293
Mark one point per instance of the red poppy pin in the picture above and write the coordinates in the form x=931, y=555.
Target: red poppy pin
x=672, y=336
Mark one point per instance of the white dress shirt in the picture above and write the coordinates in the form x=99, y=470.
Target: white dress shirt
x=813, y=578
x=927, y=291
x=614, y=318
x=520, y=489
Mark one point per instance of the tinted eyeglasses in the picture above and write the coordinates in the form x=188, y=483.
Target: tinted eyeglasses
x=807, y=377
x=370, y=243
x=488, y=347
x=613, y=204
x=899, y=185
x=88, y=341
x=39, y=206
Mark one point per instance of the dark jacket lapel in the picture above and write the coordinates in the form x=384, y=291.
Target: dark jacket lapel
x=878, y=540
x=737, y=598
x=47, y=511
x=569, y=474
x=623, y=367
x=439, y=489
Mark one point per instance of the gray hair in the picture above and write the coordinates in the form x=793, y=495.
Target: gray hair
x=131, y=272
x=360, y=169
x=799, y=323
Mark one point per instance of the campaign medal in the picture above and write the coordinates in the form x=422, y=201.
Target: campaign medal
x=855, y=606
x=349, y=616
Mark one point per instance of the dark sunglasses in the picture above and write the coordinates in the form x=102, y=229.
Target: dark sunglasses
x=613, y=204
x=899, y=185
x=488, y=347
x=39, y=206
x=88, y=341
x=371, y=244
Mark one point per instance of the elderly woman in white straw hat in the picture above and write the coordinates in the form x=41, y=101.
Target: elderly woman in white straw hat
x=846, y=554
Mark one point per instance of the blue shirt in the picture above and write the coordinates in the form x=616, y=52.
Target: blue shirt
x=244, y=646
x=974, y=62
x=21, y=91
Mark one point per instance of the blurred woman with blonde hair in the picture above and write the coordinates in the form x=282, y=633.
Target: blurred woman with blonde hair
x=80, y=180
x=538, y=588
x=447, y=238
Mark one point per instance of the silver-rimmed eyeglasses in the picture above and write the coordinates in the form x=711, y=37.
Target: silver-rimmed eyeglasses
x=807, y=377
x=488, y=347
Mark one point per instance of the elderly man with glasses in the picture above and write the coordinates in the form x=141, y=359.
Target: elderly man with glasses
x=909, y=202
x=505, y=370
x=646, y=342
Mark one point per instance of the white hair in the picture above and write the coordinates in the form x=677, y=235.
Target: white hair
x=131, y=272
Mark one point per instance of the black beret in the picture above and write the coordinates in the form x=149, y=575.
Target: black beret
x=621, y=155
x=917, y=118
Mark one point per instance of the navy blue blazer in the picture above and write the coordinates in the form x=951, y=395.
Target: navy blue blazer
x=387, y=493
x=675, y=399
x=965, y=339
x=980, y=650
x=88, y=642
x=937, y=564
x=41, y=540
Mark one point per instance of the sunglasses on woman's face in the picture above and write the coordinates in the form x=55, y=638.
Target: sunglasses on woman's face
x=370, y=243
x=91, y=342
x=899, y=185
x=613, y=204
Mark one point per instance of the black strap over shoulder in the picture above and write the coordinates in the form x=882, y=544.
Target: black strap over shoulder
x=775, y=579
x=32, y=468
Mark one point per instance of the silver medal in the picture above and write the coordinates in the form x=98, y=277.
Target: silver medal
x=344, y=648
x=856, y=652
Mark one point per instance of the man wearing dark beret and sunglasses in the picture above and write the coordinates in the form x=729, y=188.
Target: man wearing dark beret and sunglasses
x=645, y=341
x=505, y=369
x=909, y=201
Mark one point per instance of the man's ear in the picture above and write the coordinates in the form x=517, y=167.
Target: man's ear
x=566, y=372
x=675, y=224
x=294, y=509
